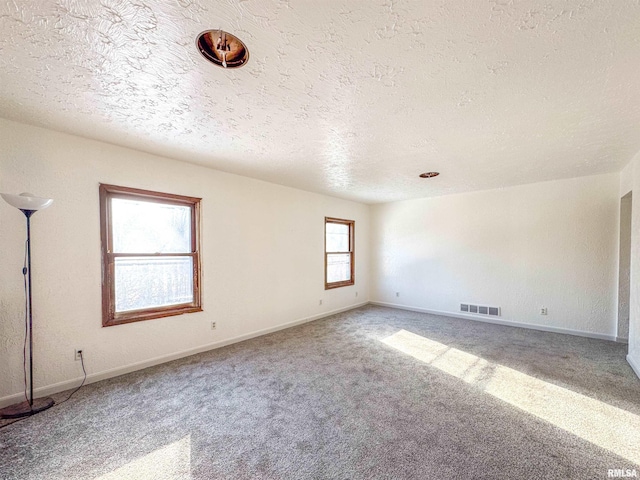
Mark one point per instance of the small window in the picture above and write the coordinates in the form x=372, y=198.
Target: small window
x=150, y=254
x=339, y=254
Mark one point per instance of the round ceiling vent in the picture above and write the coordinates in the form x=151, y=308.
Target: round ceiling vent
x=429, y=174
x=222, y=48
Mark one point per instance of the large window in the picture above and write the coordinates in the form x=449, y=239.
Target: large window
x=150, y=254
x=339, y=253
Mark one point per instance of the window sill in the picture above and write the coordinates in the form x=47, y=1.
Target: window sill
x=329, y=286
x=141, y=315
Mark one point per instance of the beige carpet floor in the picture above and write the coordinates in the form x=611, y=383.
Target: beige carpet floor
x=370, y=393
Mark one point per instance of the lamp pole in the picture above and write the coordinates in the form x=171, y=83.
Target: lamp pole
x=27, y=204
x=28, y=214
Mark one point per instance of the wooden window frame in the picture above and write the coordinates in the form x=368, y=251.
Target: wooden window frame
x=109, y=316
x=352, y=252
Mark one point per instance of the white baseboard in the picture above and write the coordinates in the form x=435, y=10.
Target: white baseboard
x=115, y=372
x=500, y=321
x=635, y=364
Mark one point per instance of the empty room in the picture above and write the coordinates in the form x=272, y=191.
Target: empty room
x=300, y=239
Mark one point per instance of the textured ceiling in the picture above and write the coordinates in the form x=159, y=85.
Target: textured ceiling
x=350, y=98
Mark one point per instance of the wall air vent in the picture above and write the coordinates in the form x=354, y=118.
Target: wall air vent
x=482, y=310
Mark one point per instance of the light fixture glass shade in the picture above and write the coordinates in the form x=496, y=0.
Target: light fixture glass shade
x=26, y=201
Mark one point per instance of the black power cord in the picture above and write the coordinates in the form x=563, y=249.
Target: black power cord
x=26, y=330
x=24, y=346
x=83, y=380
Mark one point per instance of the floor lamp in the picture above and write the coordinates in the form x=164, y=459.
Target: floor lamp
x=28, y=204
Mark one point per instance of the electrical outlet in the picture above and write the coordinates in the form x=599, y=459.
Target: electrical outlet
x=78, y=354
x=320, y=302
x=213, y=325
x=397, y=294
x=543, y=311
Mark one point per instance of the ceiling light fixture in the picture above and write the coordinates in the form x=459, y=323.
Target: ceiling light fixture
x=222, y=48
x=429, y=174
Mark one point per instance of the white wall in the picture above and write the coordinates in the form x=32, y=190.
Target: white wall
x=262, y=256
x=630, y=181
x=551, y=244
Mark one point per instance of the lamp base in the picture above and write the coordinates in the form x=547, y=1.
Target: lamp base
x=23, y=409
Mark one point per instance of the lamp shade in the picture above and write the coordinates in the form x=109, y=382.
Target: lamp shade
x=26, y=201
